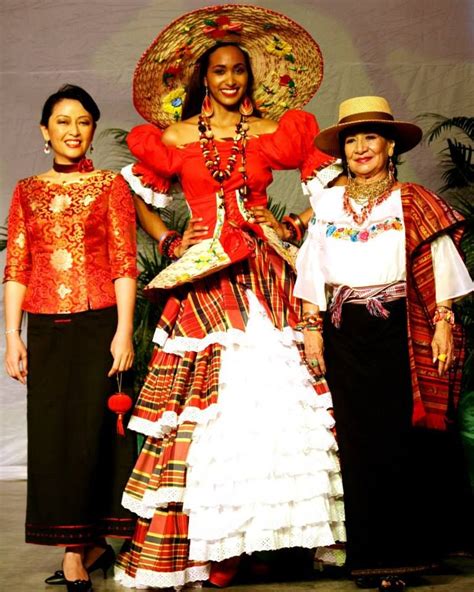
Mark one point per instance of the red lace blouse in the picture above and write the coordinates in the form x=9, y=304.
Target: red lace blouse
x=68, y=242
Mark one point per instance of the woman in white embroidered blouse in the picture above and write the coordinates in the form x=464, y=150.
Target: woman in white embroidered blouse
x=382, y=254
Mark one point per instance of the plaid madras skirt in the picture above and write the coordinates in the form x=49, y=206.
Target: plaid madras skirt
x=182, y=389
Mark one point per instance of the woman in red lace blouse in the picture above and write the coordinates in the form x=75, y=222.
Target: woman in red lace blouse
x=71, y=265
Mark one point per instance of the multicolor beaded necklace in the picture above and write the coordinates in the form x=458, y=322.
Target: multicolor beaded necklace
x=212, y=159
x=369, y=195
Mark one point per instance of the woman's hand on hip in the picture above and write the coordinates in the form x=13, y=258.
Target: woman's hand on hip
x=16, y=361
x=194, y=233
x=442, y=346
x=313, y=351
x=262, y=215
x=122, y=352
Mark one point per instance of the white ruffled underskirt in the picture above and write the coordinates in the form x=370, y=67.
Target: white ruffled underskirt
x=263, y=472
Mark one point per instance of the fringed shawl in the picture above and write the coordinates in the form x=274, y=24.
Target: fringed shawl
x=426, y=217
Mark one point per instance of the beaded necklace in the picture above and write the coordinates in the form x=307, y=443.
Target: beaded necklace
x=212, y=159
x=370, y=195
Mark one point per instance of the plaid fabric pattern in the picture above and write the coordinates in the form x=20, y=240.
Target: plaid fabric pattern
x=426, y=217
x=175, y=383
x=212, y=305
x=159, y=545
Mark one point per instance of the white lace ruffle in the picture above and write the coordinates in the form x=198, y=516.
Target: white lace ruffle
x=162, y=497
x=263, y=474
x=157, y=429
x=153, y=198
x=322, y=178
x=188, y=579
x=127, y=581
x=137, y=506
x=180, y=345
x=307, y=537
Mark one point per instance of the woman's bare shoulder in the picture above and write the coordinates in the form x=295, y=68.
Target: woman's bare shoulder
x=181, y=132
x=259, y=126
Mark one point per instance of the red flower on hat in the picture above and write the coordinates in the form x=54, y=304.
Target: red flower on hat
x=220, y=27
x=171, y=72
x=286, y=80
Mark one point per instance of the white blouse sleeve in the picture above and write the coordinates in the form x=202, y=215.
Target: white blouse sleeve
x=452, y=279
x=310, y=283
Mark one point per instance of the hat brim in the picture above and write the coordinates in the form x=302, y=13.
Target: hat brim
x=405, y=134
x=286, y=61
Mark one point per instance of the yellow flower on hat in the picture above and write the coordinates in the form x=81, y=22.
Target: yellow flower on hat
x=279, y=47
x=173, y=102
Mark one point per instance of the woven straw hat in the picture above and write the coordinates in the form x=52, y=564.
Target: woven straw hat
x=361, y=110
x=286, y=61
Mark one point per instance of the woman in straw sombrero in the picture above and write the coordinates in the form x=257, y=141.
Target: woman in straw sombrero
x=386, y=253
x=240, y=456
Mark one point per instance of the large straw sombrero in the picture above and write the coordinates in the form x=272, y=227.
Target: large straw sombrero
x=286, y=61
x=366, y=110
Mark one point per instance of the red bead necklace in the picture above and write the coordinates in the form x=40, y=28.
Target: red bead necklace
x=371, y=195
x=211, y=156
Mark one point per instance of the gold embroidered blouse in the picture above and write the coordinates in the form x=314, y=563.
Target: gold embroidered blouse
x=68, y=242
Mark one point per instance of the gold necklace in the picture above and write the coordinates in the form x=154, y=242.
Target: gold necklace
x=368, y=196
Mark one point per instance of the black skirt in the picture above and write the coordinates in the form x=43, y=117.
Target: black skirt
x=369, y=377
x=77, y=464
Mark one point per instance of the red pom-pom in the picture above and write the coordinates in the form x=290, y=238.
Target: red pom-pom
x=120, y=403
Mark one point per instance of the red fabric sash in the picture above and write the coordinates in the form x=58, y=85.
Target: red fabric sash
x=426, y=217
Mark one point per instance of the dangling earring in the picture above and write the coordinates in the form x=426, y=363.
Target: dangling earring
x=47, y=148
x=91, y=148
x=246, y=107
x=391, y=168
x=207, y=109
x=349, y=174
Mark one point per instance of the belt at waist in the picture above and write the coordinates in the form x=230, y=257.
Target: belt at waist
x=372, y=296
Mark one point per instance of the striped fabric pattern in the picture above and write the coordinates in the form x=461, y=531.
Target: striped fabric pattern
x=426, y=217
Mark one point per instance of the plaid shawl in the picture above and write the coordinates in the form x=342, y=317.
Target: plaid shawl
x=426, y=217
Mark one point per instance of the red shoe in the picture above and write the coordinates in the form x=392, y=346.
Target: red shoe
x=224, y=572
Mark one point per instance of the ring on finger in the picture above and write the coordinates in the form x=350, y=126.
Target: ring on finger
x=442, y=357
x=313, y=363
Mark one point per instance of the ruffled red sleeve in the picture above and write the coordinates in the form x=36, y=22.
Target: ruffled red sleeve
x=144, y=142
x=291, y=146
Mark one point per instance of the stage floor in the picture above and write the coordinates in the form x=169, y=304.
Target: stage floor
x=24, y=567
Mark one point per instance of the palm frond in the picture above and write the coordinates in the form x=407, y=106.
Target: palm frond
x=111, y=149
x=147, y=312
x=278, y=210
x=3, y=238
x=444, y=124
x=457, y=166
x=118, y=135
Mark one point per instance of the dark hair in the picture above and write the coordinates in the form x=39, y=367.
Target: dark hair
x=70, y=91
x=385, y=131
x=196, y=89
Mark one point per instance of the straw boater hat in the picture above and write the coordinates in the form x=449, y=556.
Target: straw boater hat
x=286, y=61
x=367, y=110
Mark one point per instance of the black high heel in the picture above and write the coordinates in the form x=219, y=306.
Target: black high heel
x=103, y=562
x=78, y=585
